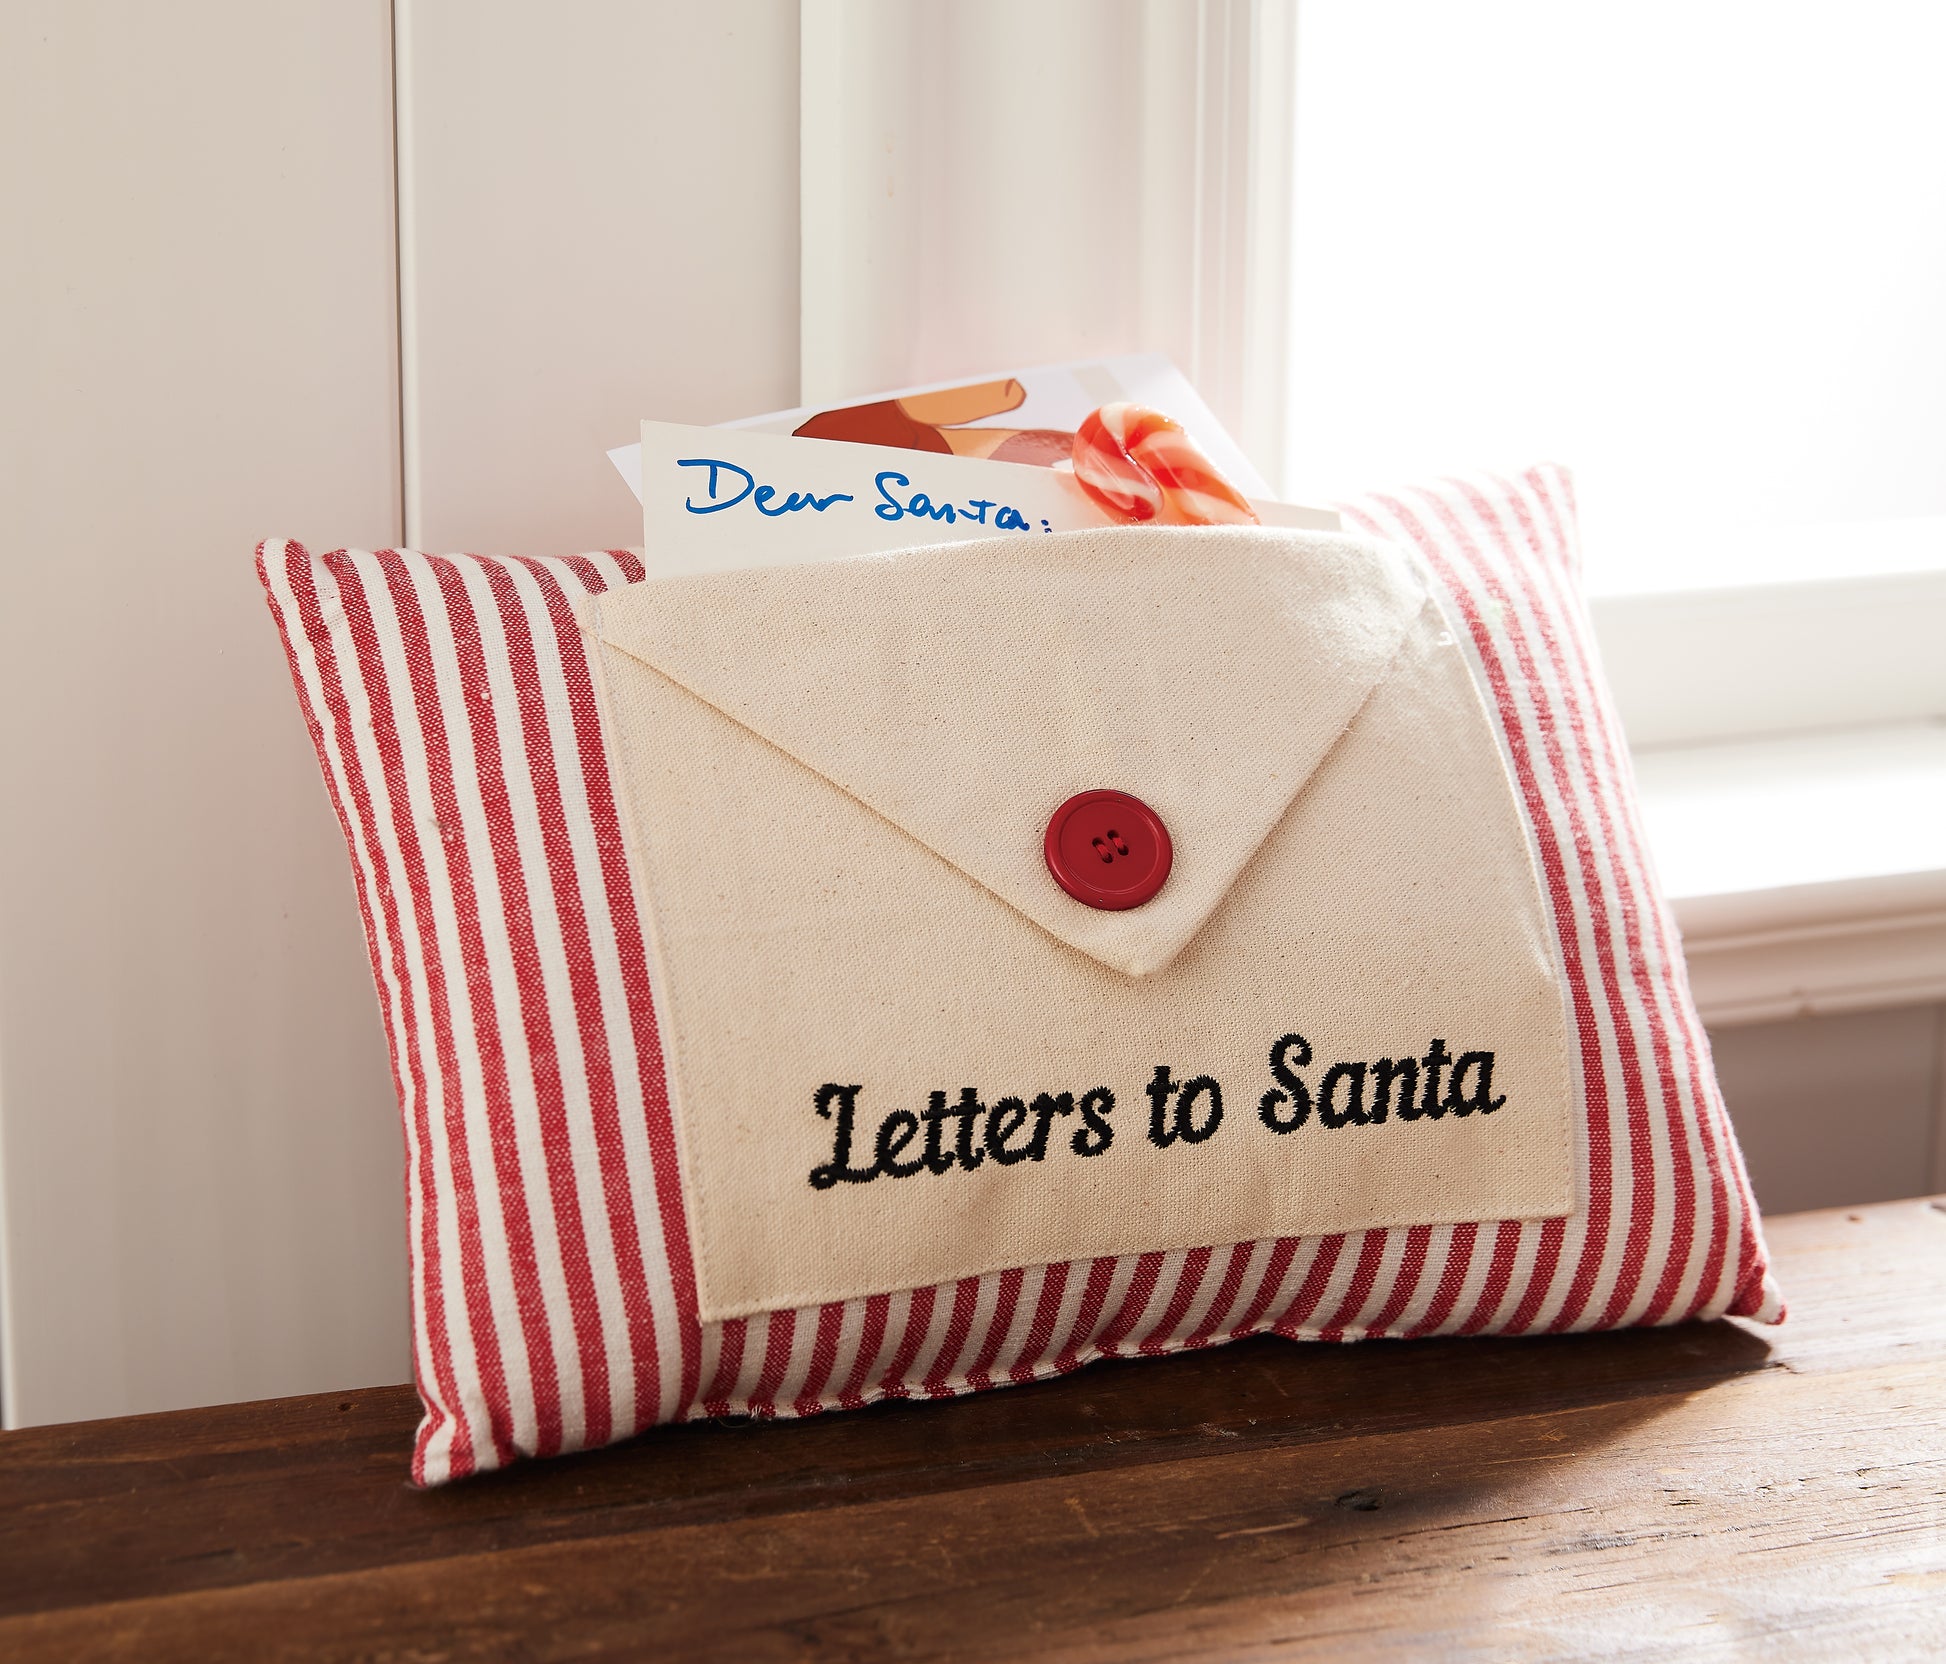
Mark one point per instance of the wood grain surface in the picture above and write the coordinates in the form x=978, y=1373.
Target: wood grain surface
x=1702, y=1492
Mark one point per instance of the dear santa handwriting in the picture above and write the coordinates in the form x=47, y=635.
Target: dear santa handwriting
x=723, y=484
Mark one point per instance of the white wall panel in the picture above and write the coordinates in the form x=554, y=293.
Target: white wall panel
x=199, y=1165
x=985, y=210
x=1840, y=1110
x=1018, y=182
x=599, y=223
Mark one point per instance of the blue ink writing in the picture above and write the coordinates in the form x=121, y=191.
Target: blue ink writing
x=761, y=496
x=921, y=507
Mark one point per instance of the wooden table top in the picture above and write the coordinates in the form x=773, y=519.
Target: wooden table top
x=1712, y=1491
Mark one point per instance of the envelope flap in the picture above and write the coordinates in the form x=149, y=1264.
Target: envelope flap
x=964, y=692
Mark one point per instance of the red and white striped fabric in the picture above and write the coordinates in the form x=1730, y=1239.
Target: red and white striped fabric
x=552, y=1295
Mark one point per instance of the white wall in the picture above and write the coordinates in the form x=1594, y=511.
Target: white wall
x=200, y=1166
x=1838, y=1110
x=599, y=224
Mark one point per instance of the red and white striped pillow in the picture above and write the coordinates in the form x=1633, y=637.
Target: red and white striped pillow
x=554, y=1306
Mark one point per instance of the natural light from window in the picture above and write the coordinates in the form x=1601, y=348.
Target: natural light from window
x=1697, y=251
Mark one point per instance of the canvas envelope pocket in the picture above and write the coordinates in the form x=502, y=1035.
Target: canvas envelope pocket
x=901, y=1051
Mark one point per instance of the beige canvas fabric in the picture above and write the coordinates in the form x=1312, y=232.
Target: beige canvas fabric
x=837, y=778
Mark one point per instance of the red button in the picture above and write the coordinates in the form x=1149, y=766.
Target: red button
x=1109, y=850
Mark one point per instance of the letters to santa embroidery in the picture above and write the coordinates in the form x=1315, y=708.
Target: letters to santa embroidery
x=963, y=1133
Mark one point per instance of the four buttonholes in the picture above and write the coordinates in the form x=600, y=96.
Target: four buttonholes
x=1108, y=849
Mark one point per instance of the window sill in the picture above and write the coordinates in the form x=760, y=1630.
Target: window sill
x=1774, y=632
x=1807, y=872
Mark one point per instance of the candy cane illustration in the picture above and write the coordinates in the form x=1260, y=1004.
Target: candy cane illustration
x=1135, y=462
